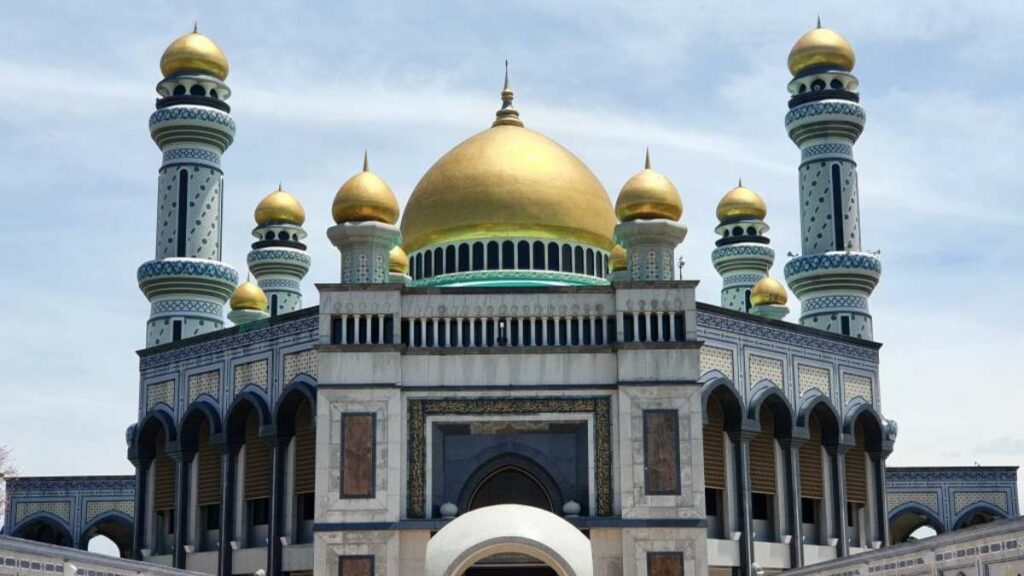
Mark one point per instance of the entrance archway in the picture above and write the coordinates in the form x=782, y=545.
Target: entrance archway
x=113, y=527
x=44, y=528
x=542, y=542
x=906, y=521
x=510, y=485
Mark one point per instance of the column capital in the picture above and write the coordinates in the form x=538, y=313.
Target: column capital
x=792, y=443
x=742, y=436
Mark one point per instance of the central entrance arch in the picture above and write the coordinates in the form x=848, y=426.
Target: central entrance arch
x=513, y=530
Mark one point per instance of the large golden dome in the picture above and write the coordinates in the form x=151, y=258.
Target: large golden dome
x=280, y=207
x=648, y=194
x=740, y=203
x=821, y=47
x=508, y=181
x=768, y=291
x=365, y=197
x=194, y=52
x=248, y=296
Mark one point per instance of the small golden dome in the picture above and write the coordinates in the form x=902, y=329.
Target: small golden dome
x=648, y=195
x=280, y=207
x=398, y=261
x=194, y=52
x=248, y=296
x=618, y=260
x=821, y=47
x=740, y=203
x=768, y=291
x=365, y=197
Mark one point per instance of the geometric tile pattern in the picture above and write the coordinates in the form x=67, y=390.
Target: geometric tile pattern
x=206, y=383
x=94, y=508
x=929, y=499
x=251, y=373
x=299, y=363
x=855, y=385
x=61, y=510
x=814, y=378
x=764, y=368
x=160, y=392
x=716, y=358
x=962, y=500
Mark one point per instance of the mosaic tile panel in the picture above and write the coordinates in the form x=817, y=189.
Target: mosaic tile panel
x=855, y=385
x=962, y=500
x=299, y=363
x=206, y=383
x=716, y=358
x=160, y=393
x=896, y=499
x=251, y=373
x=813, y=378
x=764, y=368
x=61, y=510
x=96, y=507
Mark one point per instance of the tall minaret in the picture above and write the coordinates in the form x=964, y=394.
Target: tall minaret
x=742, y=255
x=278, y=258
x=186, y=282
x=833, y=277
x=649, y=208
x=365, y=210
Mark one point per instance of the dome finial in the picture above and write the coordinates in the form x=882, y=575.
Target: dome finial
x=647, y=159
x=195, y=27
x=366, y=160
x=508, y=115
x=819, y=20
x=739, y=182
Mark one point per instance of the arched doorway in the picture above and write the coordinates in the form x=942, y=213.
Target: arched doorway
x=908, y=524
x=510, y=485
x=977, y=514
x=531, y=541
x=117, y=529
x=44, y=529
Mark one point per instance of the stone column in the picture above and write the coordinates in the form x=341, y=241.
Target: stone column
x=182, y=483
x=141, y=489
x=881, y=531
x=791, y=458
x=228, y=480
x=837, y=463
x=278, y=451
x=741, y=450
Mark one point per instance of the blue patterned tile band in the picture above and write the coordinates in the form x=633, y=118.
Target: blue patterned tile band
x=767, y=333
x=834, y=303
x=280, y=284
x=823, y=108
x=742, y=280
x=266, y=254
x=194, y=154
x=746, y=250
x=181, y=307
x=511, y=277
x=188, y=267
x=826, y=150
x=191, y=113
x=829, y=261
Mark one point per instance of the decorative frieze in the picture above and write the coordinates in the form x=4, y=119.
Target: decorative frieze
x=60, y=509
x=94, y=508
x=894, y=500
x=160, y=393
x=204, y=383
x=962, y=500
x=761, y=368
x=299, y=363
x=255, y=373
x=855, y=385
x=717, y=358
x=813, y=378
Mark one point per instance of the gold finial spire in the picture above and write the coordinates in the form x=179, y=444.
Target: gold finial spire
x=819, y=20
x=739, y=182
x=508, y=115
x=647, y=159
x=195, y=26
x=366, y=160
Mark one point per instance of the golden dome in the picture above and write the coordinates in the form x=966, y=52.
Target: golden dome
x=365, y=197
x=508, y=181
x=398, y=261
x=768, y=291
x=821, y=47
x=194, y=52
x=741, y=203
x=248, y=296
x=618, y=260
x=280, y=207
x=647, y=195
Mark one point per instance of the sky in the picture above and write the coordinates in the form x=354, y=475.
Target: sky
x=703, y=84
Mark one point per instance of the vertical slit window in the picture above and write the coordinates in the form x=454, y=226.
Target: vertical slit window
x=627, y=327
x=641, y=331
x=566, y=258
x=590, y=262
x=845, y=324
x=578, y=263
x=374, y=330
x=478, y=256
x=389, y=329
x=837, y=207
x=449, y=260
x=552, y=256
x=405, y=333
x=524, y=255
x=364, y=333
x=273, y=305
x=428, y=264
x=335, y=330
x=508, y=255
x=599, y=332
x=182, y=210
x=176, y=331
x=463, y=257
x=438, y=261
x=492, y=256
x=538, y=255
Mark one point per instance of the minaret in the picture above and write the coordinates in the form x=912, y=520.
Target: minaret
x=365, y=210
x=742, y=255
x=278, y=258
x=832, y=277
x=649, y=208
x=186, y=282
x=248, y=304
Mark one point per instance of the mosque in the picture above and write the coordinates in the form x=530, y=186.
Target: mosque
x=509, y=376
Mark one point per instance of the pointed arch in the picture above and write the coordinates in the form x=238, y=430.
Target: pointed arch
x=871, y=422
x=32, y=526
x=908, y=517
x=115, y=525
x=772, y=398
x=200, y=411
x=814, y=402
x=237, y=414
x=725, y=392
x=301, y=388
x=156, y=420
x=983, y=508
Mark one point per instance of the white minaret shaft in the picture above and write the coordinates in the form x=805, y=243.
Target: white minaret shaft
x=186, y=283
x=833, y=277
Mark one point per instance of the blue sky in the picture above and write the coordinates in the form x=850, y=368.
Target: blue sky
x=702, y=84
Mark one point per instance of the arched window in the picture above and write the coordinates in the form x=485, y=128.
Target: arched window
x=836, y=84
x=213, y=93
x=590, y=262
x=418, y=266
x=179, y=90
x=273, y=305
x=566, y=258
x=449, y=260
x=197, y=90
x=737, y=231
x=463, y=257
x=524, y=255
x=538, y=255
x=478, y=256
x=578, y=263
x=751, y=231
x=818, y=85
x=508, y=255
x=493, y=263
x=552, y=256
x=428, y=264
x=438, y=261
